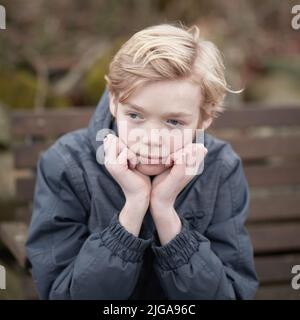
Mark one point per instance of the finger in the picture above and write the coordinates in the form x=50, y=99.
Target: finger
x=122, y=158
x=131, y=156
x=179, y=157
x=192, y=154
x=195, y=153
x=110, y=149
x=169, y=160
x=194, y=164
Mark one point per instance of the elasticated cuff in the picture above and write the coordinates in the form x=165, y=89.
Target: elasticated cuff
x=123, y=243
x=177, y=251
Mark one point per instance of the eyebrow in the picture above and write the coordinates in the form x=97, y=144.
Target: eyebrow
x=168, y=114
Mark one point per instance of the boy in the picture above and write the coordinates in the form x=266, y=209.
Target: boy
x=122, y=218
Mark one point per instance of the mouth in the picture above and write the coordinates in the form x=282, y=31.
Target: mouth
x=149, y=157
x=146, y=159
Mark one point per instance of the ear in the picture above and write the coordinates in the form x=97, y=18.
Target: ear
x=112, y=104
x=204, y=120
x=207, y=123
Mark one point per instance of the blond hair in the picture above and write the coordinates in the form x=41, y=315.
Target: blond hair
x=169, y=51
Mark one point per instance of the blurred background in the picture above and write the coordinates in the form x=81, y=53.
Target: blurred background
x=54, y=54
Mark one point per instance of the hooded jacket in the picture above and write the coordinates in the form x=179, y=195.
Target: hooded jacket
x=78, y=249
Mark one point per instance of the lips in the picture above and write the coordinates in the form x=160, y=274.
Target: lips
x=146, y=159
x=149, y=157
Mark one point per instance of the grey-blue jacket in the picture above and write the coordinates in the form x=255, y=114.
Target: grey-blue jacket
x=78, y=249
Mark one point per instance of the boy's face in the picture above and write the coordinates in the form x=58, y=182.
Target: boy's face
x=158, y=119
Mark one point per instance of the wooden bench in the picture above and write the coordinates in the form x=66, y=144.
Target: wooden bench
x=266, y=138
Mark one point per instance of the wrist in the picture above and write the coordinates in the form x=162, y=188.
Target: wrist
x=138, y=202
x=131, y=218
x=160, y=203
x=168, y=224
x=159, y=207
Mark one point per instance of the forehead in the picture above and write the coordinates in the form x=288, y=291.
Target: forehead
x=167, y=96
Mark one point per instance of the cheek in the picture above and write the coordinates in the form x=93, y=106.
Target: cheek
x=180, y=139
x=124, y=129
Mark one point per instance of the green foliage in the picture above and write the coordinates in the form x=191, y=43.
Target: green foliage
x=287, y=65
x=18, y=89
x=94, y=82
x=276, y=87
x=57, y=102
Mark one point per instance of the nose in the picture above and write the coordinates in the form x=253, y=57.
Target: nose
x=152, y=139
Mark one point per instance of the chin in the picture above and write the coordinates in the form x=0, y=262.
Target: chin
x=151, y=169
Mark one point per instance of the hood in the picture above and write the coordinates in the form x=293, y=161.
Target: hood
x=102, y=119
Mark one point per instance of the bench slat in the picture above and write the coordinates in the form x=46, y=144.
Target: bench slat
x=269, y=176
x=25, y=189
x=56, y=122
x=23, y=213
x=270, y=209
x=268, y=238
x=49, y=123
x=257, y=176
x=249, y=148
x=274, y=208
x=277, y=292
x=253, y=116
x=26, y=156
x=271, y=269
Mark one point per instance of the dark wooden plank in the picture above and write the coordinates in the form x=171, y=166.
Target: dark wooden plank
x=275, y=207
x=14, y=236
x=50, y=123
x=262, y=147
x=23, y=214
x=248, y=116
x=277, y=292
x=25, y=189
x=26, y=156
x=268, y=209
x=269, y=176
x=280, y=237
x=276, y=268
x=257, y=176
x=54, y=122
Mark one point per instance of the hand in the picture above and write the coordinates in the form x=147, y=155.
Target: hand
x=120, y=161
x=167, y=185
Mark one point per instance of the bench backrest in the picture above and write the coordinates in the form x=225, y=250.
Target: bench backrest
x=266, y=138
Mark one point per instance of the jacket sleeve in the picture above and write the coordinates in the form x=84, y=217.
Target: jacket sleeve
x=218, y=264
x=69, y=262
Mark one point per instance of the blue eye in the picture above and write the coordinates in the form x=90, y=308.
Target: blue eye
x=174, y=122
x=133, y=115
